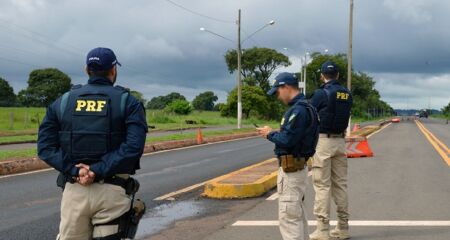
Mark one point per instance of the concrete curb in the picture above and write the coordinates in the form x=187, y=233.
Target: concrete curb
x=31, y=164
x=252, y=181
x=22, y=165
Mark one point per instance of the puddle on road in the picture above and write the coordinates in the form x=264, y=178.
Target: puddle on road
x=161, y=217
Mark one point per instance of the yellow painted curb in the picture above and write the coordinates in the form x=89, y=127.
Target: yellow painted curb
x=216, y=189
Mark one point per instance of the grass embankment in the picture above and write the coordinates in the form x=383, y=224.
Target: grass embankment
x=23, y=153
x=25, y=121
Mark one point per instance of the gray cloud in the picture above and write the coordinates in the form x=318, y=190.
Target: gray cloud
x=162, y=49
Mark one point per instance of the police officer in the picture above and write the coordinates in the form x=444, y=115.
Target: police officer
x=294, y=144
x=329, y=167
x=94, y=135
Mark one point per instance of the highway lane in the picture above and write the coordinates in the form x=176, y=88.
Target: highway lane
x=406, y=180
x=29, y=204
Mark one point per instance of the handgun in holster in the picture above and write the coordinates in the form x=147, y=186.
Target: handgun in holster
x=130, y=220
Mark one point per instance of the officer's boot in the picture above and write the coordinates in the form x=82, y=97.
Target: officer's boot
x=322, y=231
x=341, y=230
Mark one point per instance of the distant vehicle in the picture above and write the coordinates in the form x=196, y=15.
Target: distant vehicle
x=395, y=120
x=423, y=114
x=417, y=114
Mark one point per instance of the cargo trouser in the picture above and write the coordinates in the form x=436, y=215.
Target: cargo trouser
x=82, y=208
x=329, y=175
x=291, y=210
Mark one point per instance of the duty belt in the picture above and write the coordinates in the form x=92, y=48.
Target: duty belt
x=122, y=180
x=290, y=163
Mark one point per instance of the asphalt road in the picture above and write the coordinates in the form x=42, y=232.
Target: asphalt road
x=407, y=180
x=29, y=204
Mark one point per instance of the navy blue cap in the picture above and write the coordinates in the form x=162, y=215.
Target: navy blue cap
x=101, y=59
x=329, y=67
x=282, y=79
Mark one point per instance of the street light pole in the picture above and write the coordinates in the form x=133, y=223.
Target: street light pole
x=239, y=81
x=349, y=58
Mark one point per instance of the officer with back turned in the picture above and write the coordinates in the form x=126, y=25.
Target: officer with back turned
x=294, y=144
x=94, y=135
x=329, y=166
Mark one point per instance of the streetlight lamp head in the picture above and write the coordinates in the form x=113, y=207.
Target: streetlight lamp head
x=285, y=48
x=202, y=29
x=272, y=22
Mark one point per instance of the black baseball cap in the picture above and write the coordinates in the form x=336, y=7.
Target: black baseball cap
x=101, y=59
x=282, y=79
x=329, y=67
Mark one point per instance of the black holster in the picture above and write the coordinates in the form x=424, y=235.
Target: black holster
x=129, y=222
x=63, y=179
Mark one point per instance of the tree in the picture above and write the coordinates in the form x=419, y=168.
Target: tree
x=446, y=111
x=162, y=102
x=258, y=64
x=180, y=106
x=7, y=96
x=44, y=87
x=204, y=101
x=254, y=102
x=139, y=96
x=365, y=96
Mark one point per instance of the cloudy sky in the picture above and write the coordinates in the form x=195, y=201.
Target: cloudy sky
x=403, y=44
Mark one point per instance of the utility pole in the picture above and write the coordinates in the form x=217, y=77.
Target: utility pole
x=349, y=58
x=239, y=81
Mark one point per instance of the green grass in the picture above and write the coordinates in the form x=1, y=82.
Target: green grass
x=17, y=139
x=24, y=120
x=5, y=154
x=184, y=136
x=168, y=121
x=440, y=116
x=8, y=154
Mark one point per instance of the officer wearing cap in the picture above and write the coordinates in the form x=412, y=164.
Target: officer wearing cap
x=294, y=144
x=94, y=135
x=329, y=166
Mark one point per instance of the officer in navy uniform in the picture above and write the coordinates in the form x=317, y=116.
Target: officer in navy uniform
x=295, y=143
x=94, y=135
x=329, y=166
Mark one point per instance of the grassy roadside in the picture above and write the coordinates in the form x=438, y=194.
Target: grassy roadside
x=8, y=154
x=440, y=116
x=17, y=139
x=22, y=153
x=361, y=120
x=25, y=121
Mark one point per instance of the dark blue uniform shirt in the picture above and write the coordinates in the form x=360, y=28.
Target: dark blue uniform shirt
x=293, y=128
x=116, y=161
x=319, y=99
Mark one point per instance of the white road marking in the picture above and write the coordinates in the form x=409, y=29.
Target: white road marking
x=27, y=173
x=356, y=223
x=200, y=145
x=170, y=196
x=379, y=130
x=272, y=197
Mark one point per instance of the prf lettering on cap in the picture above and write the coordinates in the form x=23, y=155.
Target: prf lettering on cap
x=85, y=105
x=342, y=95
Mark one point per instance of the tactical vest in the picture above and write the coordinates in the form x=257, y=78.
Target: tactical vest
x=307, y=147
x=92, y=121
x=334, y=118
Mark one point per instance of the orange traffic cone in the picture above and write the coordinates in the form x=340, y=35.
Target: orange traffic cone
x=199, y=136
x=358, y=146
x=356, y=127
